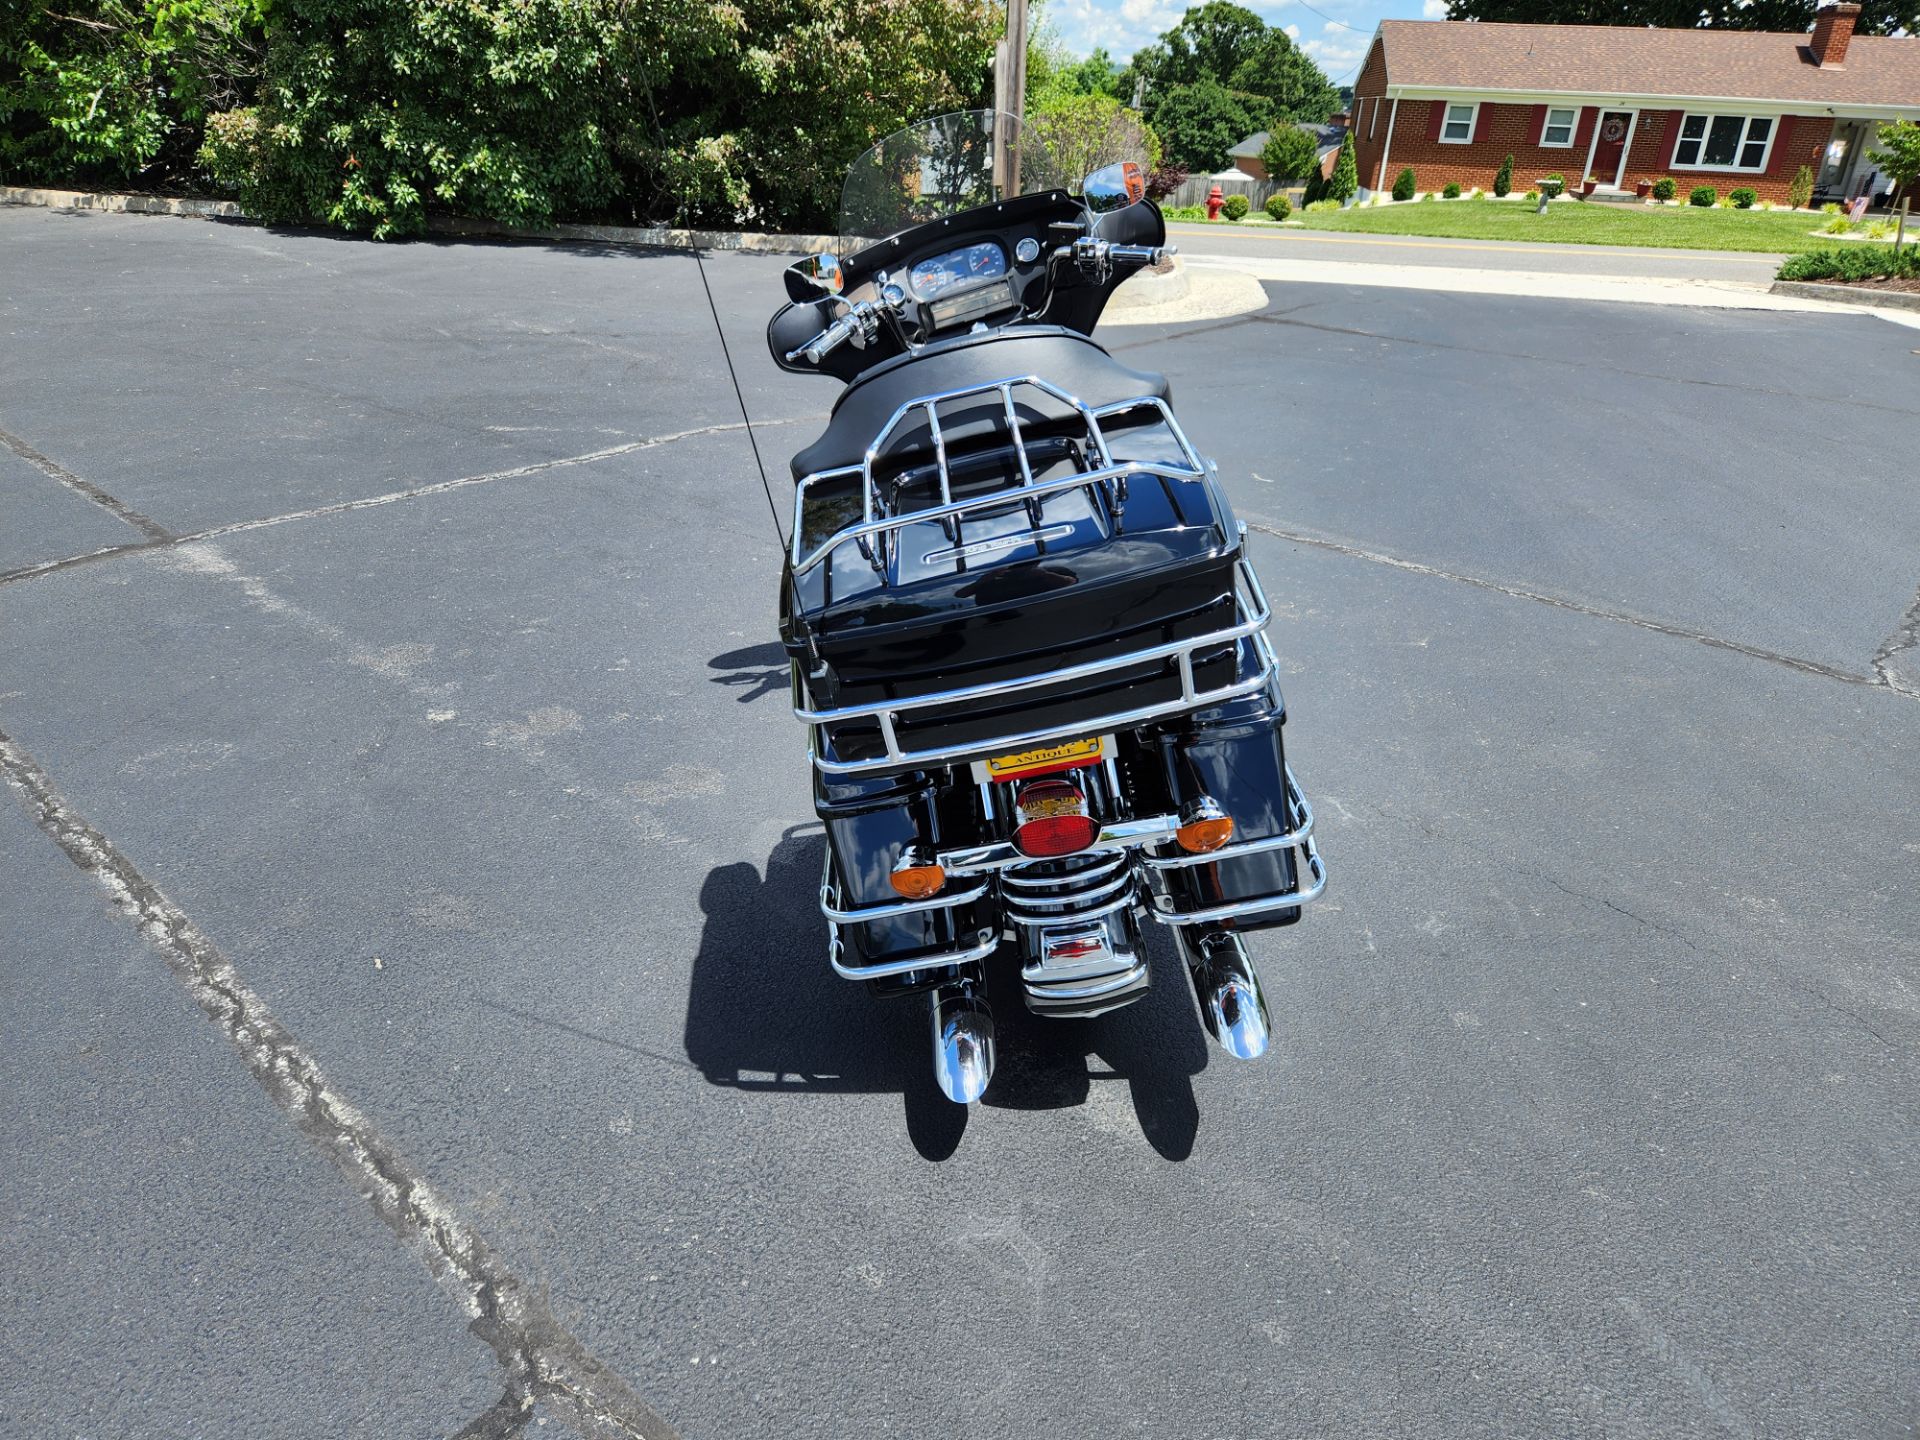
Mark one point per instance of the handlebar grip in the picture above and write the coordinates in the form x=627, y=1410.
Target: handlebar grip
x=831, y=338
x=1141, y=254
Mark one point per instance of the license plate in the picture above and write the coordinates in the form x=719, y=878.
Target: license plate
x=1062, y=755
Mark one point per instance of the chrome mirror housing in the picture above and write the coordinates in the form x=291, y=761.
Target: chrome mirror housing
x=814, y=278
x=1114, y=187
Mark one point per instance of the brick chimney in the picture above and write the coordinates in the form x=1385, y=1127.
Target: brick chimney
x=1832, y=30
x=1341, y=120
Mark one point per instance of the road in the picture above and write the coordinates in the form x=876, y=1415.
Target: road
x=387, y=628
x=1261, y=242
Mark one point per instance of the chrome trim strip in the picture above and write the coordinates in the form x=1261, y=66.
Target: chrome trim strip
x=1062, y=917
x=1046, y=993
x=1104, y=865
x=1060, y=900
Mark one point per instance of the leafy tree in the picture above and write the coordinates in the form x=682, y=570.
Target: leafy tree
x=1060, y=76
x=1503, y=180
x=1233, y=47
x=373, y=112
x=1198, y=123
x=1291, y=154
x=117, y=90
x=1901, y=156
x=1345, y=182
x=1403, y=184
x=1877, y=17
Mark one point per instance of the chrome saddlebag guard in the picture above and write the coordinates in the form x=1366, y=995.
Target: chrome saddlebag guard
x=1236, y=754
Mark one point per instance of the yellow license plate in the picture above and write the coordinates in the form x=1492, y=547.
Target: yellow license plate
x=1065, y=755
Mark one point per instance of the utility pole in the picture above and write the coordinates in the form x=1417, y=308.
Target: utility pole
x=1010, y=94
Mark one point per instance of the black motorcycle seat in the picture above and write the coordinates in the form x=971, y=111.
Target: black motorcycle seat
x=1062, y=357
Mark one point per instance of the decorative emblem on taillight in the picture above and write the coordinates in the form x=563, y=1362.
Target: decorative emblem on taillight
x=1053, y=819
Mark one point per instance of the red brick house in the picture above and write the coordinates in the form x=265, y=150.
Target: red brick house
x=1726, y=108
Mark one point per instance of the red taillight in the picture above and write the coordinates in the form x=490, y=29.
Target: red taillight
x=1053, y=819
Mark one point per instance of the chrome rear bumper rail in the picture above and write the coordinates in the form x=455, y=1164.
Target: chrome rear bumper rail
x=988, y=942
x=1301, y=818
x=861, y=914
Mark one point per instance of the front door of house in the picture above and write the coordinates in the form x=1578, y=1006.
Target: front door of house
x=1610, y=145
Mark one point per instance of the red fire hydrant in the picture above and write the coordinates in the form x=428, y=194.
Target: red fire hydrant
x=1214, y=201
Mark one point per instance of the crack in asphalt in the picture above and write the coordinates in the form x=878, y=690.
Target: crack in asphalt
x=119, y=509
x=166, y=539
x=1881, y=679
x=1905, y=637
x=541, y=1359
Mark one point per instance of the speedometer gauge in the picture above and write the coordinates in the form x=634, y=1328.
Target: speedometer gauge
x=966, y=266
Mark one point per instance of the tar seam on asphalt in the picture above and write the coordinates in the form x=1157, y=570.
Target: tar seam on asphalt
x=119, y=509
x=1883, y=678
x=165, y=539
x=543, y=1362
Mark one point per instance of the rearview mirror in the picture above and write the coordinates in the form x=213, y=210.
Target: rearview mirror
x=1114, y=187
x=813, y=278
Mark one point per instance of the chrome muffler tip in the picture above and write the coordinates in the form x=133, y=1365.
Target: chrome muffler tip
x=1232, y=1007
x=962, y=1043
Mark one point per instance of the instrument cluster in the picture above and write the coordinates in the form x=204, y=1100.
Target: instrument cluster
x=968, y=265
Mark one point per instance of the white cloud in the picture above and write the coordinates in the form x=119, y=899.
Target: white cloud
x=1293, y=32
x=1433, y=10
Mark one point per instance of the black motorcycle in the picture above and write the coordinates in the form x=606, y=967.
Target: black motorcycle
x=1025, y=636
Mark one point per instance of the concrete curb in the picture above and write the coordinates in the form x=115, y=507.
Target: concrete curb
x=1849, y=294
x=655, y=237
x=121, y=204
x=1148, y=288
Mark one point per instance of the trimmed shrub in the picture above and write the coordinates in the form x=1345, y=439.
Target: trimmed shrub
x=1451, y=190
x=1832, y=207
x=1324, y=205
x=1800, y=190
x=1403, y=184
x=1664, y=189
x=1503, y=181
x=1185, y=212
x=1236, y=207
x=1278, y=207
x=1837, y=224
x=1854, y=263
x=1346, y=173
x=1743, y=198
x=1703, y=195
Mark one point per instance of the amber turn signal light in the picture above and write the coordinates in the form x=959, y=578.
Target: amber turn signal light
x=1204, y=826
x=916, y=877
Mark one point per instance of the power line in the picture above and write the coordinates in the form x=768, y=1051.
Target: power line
x=1331, y=21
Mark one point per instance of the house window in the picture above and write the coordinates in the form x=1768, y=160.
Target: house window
x=1558, y=131
x=1723, y=142
x=1457, y=128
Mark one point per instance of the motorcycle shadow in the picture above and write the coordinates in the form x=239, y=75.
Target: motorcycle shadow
x=764, y=1013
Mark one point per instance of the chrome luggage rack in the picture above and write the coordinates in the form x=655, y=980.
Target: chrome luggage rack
x=880, y=522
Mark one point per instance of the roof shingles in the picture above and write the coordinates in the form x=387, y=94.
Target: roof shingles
x=1623, y=60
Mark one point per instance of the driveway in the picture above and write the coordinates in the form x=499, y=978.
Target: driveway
x=416, y=1018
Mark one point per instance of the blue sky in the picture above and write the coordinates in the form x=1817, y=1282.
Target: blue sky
x=1334, y=32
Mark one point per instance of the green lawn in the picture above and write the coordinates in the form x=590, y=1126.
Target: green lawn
x=1681, y=227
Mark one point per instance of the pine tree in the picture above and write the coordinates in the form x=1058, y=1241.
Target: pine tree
x=1503, y=182
x=1345, y=183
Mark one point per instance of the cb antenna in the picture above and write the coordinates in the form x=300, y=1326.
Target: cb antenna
x=739, y=396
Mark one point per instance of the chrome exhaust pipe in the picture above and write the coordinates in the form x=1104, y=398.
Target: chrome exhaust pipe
x=962, y=1042
x=1232, y=1008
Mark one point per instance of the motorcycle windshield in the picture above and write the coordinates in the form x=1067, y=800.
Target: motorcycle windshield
x=940, y=167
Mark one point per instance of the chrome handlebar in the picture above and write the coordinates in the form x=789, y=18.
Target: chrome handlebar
x=1096, y=257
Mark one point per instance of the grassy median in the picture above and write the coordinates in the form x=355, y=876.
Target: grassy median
x=1678, y=227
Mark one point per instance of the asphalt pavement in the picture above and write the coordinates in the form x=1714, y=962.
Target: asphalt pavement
x=417, y=1021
